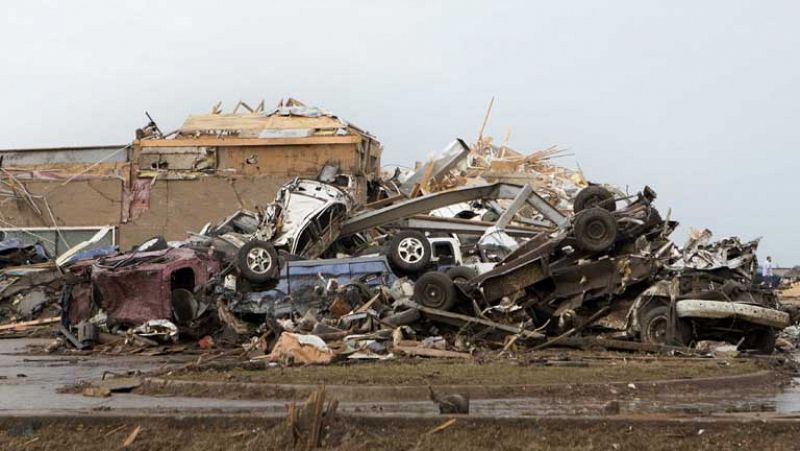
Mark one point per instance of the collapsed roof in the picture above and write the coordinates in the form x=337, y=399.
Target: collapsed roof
x=289, y=119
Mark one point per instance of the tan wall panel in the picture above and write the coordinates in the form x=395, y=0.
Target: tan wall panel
x=178, y=206
x=78, y=203
x=287, y=160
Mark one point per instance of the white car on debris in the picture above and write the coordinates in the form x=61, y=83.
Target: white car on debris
x=304, y=220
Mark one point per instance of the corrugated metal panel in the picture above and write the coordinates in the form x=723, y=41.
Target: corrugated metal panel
x=22, y=157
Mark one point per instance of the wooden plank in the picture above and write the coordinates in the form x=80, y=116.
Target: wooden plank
x=426, y=179
x=485, y=119
x=27, y=324
x=442, y=426
x=132, y=437
x=428, y=352
x=572, y=331
x=221, y=142
x=253, y=123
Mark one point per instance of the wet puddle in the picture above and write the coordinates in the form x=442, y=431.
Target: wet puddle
x=29, y=384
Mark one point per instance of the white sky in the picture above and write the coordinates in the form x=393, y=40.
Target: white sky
x=699, y=99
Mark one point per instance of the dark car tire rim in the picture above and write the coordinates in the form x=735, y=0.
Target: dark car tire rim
x=596, y=230
x=433, y=294
x=657, y=329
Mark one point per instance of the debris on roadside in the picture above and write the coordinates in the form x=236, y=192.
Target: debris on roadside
x=96, y=392
x=300, y=349
x=309, y=424
x=482, y=248
x=453, y=403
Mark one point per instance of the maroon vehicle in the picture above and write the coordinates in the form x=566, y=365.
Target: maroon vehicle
x=140, y=286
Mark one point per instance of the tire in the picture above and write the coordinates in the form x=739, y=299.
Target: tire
x=258, y=261
x=761, y=340
x=654, y=323
x=594, y=196
x=435, y=290
x=184, y=306
x=595, y=229
x=461, y=274
x=410, y=251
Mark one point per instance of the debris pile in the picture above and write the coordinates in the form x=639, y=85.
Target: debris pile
x=481, y=248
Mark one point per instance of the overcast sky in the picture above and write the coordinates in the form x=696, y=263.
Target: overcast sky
x=699, y=99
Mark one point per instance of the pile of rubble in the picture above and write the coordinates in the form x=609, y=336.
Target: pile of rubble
x=481, y=248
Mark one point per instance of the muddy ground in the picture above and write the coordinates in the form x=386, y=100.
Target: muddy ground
x=556, y=369
x=575, y=379
x=347, y=433
x=579, y=400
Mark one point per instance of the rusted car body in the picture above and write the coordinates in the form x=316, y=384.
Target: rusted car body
x=134, y=288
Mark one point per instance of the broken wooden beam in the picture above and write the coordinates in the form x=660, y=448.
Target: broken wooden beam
x=28, y=324
x=430, y=352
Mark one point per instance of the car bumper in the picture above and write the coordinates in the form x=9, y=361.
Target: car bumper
x=764, y=316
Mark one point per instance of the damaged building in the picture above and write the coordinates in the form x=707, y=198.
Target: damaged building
x=167, y=183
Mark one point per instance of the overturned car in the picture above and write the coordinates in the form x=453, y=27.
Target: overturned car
x=599, y=252
x=302, y=222
x=708, y=293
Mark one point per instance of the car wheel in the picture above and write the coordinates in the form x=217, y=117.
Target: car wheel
x=258, y=261
x=654, y=326
x=761, y=340
x=594, y=196
x=595, y=229
x=461, y=274
x=435, y=290
x=410, y=251
x=184, y=306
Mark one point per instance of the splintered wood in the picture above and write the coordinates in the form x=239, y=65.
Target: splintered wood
x=308, y=422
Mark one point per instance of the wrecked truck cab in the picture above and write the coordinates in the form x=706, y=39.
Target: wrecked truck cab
x=409, y=250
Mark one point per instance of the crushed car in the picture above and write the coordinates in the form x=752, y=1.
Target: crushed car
x=597, y=253
x=133, y=288
x=708, y=293
x=302, y=222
